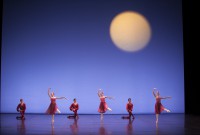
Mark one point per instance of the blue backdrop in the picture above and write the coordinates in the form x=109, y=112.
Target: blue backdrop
x=65, y=45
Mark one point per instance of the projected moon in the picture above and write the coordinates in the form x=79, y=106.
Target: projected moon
x=130, y=31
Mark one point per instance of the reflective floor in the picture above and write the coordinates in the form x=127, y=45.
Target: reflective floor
x=40, y=124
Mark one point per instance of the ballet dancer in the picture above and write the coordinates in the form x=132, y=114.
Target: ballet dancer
x=103, y=107
x=158, y=106
x=21, y=107
x=129, y=108
x=53, y=108
x=74, y=107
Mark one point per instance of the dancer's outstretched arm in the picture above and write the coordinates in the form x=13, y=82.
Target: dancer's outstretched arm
x=165, y=97
x=61, y=98
x=109, y=97
x=99, y=92
x=154, y=93
x=49, y=92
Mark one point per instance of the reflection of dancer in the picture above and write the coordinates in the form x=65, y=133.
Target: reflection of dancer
x=157, y=130
x=158, y=106
x=103, y=107
x=129, y=108
x=52, y=128
x=21, y=108
x=74, y=127
x=102, y=130
x=74, y=107
x=52, y=109
x=22, y=128
x=130, y=127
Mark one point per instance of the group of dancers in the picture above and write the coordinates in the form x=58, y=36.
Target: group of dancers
x=103, y=107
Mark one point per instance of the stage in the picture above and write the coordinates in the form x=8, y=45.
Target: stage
x=143, y=124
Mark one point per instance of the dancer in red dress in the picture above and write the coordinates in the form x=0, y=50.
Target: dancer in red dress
x=129, y=108
x=74, y=107
x=21, y=107
x=53, y=108
x=103, y=107
x=158, y=106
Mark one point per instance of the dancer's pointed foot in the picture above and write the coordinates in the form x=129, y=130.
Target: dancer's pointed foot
x=58, y=111
x=168, y=111
x=109, y=109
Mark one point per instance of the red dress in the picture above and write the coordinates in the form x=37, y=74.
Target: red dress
x=52, y=107
x=103, y=107
x=158, y=106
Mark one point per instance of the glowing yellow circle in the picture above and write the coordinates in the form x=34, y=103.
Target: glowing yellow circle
x=130, y=31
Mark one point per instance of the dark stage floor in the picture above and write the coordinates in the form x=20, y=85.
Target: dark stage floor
x=40, y=124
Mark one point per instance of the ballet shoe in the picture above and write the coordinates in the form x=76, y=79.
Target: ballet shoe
x=70, y=117
x=109, y=109
x=20, y=118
